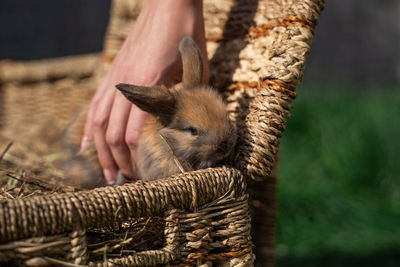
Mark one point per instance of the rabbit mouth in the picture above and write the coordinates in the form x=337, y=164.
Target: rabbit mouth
x=196, y=157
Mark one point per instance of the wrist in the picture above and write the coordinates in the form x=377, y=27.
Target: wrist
x=176, y=18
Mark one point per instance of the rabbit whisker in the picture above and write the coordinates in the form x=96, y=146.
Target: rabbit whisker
x=176, y=160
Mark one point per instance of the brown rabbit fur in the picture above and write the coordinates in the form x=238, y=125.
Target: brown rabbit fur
x=188, y=124
x=82, y=168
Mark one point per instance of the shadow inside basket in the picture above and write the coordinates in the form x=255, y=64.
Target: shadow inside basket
x=188, y=218
x=124, y=239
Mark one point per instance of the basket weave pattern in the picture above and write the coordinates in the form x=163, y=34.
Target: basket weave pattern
x=257, y=51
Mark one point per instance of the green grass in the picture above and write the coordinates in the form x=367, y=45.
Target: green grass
x=339, y=180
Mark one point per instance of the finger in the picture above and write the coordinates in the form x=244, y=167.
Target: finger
x=105, y=157
x=100, y=123
x=115, y=135
x=135, y=123
x=94, y=103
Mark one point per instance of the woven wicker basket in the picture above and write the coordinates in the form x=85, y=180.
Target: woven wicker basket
x=257, y=51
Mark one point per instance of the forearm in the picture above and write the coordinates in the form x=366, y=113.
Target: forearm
x=168, y=21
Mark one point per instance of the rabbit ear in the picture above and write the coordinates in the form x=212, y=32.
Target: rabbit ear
x=155, y=100
x=192, y=63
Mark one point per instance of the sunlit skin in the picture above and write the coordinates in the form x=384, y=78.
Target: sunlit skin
x=148, y=57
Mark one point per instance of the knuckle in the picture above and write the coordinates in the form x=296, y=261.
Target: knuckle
x=114, y=138
x=144, y=80
x=95, y=101
x=131, y=138
x=99, y=122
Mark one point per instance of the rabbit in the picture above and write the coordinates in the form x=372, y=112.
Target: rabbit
x=188, y=127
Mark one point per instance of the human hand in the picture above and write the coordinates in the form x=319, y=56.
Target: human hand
x=149, y=56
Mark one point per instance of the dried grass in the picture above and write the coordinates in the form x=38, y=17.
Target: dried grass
x=25, y=174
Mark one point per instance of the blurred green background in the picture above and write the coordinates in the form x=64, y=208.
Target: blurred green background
x=339, y=186
x=339, y=175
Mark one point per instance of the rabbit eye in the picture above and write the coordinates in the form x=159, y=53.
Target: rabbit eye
x=192, y=130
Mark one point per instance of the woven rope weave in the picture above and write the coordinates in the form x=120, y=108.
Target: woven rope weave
x=104, y=206
x=206, y=203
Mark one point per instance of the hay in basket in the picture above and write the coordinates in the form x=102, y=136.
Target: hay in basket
x=257, y=51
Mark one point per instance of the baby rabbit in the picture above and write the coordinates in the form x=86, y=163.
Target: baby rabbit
x=188, y=128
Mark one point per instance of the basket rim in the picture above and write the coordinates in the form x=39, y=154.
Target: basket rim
x=63, y=212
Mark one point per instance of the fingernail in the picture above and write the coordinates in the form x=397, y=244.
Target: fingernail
x=84, y=143
x=109, y=176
